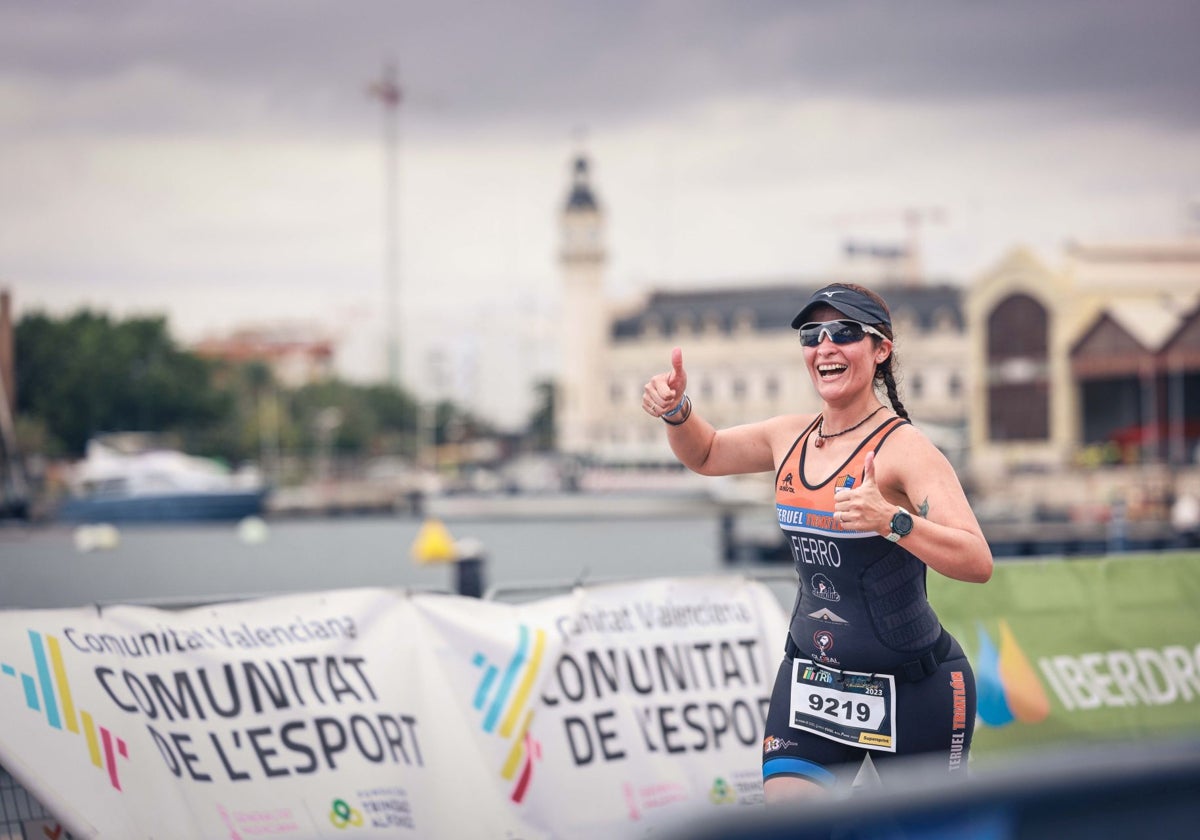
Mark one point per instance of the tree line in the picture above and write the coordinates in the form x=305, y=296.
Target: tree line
x=87, y=373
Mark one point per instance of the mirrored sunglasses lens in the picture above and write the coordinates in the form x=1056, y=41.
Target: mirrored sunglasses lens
x=846, y=332
x=839, y=332
x=810, y=334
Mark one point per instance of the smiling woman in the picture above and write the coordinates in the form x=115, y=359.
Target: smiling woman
x=867, y=503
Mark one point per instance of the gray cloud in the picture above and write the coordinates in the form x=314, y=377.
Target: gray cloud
x=548, y=63
x=162, y=150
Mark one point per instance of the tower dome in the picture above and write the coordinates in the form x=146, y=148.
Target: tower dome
x=582, y=219
x=581, y=197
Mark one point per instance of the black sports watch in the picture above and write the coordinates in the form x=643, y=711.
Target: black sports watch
x=902, y=525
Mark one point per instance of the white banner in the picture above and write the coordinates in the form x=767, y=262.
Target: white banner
x=365, y=713
x=655, y=707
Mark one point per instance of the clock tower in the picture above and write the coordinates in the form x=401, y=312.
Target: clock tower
x=585, y=321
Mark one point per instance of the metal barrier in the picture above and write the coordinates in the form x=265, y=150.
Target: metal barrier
x=17, y=808
x=781, y=582
x=1114, y=790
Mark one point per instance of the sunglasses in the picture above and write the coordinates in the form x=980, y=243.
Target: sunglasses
x=839, y=332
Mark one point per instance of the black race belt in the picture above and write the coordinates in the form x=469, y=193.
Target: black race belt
x=914, y=670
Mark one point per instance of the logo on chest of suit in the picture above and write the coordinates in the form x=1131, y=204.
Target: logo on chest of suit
x=822, y=587
x=823, y=639
x=828, y=616
x=785, y=486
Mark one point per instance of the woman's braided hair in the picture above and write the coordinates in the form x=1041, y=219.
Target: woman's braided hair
x=885, y=371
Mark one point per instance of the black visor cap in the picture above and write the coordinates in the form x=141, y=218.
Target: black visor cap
x=850, y=302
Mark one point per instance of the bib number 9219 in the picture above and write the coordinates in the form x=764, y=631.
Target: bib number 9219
x=854, y=713
x=845, y=706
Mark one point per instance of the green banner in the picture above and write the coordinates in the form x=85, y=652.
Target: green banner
x=1070, y=651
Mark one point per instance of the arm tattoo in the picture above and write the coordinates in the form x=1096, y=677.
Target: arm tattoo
x=923, y=508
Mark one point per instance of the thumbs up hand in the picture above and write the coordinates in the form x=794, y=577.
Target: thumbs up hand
x=863, y=508
x=664, y=391
x=869, y=472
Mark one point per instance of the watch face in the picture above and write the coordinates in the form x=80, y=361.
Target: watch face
x=902, y=523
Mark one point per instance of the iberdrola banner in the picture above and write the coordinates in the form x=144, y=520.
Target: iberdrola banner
x=378, y=713
x=1080, y=650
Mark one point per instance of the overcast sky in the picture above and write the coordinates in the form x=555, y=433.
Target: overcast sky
x=222, y=162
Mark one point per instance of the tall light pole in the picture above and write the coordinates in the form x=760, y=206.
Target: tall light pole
x=387, y=90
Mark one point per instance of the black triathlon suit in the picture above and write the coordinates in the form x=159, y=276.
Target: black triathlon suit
x=876, y=670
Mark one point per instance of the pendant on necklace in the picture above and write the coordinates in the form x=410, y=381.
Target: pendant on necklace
x=819, y=442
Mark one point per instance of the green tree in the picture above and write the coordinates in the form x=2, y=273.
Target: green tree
x=252, y=427
x=356, y=424
x=396, y=415
x=88, y=374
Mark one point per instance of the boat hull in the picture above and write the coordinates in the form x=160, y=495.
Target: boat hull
x=172, y=507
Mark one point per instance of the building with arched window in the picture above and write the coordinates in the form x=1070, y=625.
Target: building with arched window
x=1101, y=352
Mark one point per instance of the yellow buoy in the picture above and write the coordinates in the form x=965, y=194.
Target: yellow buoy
x=434, y=544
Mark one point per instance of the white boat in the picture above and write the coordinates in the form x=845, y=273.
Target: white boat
x=120, y=480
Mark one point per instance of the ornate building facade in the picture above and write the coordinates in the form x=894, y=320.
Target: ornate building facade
x=1095, y=362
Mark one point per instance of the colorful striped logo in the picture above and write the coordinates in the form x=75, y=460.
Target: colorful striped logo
x=503, y=698
x=49, y=692
x=1008, y=687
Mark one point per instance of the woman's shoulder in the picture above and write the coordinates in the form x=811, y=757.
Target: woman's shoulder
x=784, y=429
x=909, y=434
x=908, y=446
x=790, y=422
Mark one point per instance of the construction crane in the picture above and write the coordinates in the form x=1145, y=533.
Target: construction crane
x=904, y=262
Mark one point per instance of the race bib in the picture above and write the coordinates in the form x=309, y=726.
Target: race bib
x=844, y=706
